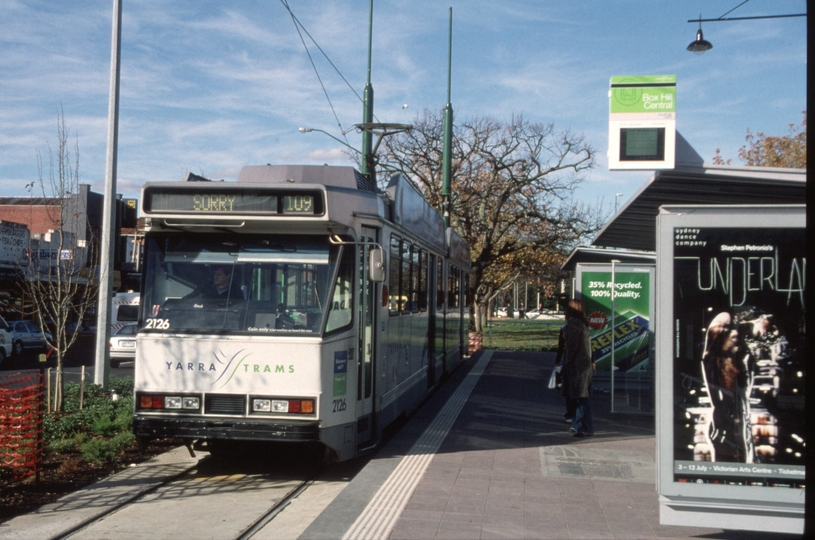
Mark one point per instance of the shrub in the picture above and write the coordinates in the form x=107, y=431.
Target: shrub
x=61, y=446
x=98, y=450
x=105, y=426
x=99, y=416
x=100, y=430
x=122, y=441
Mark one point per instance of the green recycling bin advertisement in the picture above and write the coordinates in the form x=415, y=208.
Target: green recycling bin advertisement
x=628, y=332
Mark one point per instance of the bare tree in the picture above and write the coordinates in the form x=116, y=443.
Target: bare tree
x=512, y=193
x=60, y=278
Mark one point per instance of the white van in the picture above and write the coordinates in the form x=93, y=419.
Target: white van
x=124, y=309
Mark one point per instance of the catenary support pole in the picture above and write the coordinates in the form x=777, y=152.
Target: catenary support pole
x=368, y=105
x=448, y=132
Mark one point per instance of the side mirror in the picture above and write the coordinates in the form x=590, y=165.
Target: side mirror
x=376, y=265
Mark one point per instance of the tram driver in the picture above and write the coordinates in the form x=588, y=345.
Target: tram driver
x=221, y=287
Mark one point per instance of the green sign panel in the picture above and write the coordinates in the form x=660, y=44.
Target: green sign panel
x=632, y=319
x=645, y=94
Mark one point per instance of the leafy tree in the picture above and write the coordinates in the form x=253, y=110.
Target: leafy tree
x=60, y=273
x=787, y=151
x=512, y=187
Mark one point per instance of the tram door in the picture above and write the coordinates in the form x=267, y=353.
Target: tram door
x=367, y=340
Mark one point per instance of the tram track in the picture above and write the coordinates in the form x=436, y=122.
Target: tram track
x=274, y=510
x=224, y=497
x=70, y=532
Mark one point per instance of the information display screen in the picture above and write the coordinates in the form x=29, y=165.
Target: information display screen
x=298, y=204
x=642, y=144
x=230, y=201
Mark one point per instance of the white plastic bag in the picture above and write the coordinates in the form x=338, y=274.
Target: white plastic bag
x=553, y=380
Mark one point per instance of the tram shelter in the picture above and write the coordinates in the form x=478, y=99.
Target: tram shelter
x=629, y=241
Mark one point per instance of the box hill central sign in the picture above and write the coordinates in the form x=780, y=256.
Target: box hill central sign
x=642, y=122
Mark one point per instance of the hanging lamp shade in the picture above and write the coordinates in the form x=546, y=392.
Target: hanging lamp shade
x=700, y=45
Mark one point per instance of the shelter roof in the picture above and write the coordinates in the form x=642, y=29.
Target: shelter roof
x=597, y=255
x=633, y=227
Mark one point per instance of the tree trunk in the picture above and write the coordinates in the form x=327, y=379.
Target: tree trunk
x=59, y=385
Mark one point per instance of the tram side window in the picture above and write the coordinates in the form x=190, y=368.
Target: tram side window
x=422, y=280
x=395, y=303
x=453, y=288
x=341, y=306
x=440, y=285
x=405, y=287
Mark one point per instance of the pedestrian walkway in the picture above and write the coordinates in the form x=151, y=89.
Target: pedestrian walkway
x=508, y=468
x=488, y=456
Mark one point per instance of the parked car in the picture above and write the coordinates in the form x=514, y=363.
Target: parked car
x=6, y=340
x=123, y=344
x=28, y=337
x=537, y=313
x=501, y=312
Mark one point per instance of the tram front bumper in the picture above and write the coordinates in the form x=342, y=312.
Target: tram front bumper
x=224, y=428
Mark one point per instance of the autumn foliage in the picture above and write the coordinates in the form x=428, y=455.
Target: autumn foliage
x=787, y=151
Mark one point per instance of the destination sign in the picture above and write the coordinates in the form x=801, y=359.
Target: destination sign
x=298, y=204
x=255, y=201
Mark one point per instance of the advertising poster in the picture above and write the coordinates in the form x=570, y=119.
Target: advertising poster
x=739, y=369
x=631, y=319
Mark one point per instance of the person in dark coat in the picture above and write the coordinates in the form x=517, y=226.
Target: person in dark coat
x=578, y=368
x=570, y=405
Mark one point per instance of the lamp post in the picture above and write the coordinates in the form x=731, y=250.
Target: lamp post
x=101, y=370
x=616, y=200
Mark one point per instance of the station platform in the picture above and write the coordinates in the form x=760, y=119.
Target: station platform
x=488, y=456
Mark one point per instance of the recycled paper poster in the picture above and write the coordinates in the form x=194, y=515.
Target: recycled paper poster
x=631, y=319
x=739, y=367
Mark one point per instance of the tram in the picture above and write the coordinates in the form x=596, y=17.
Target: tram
x=343, y=306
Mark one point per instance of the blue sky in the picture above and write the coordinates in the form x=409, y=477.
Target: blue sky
x=211, y=85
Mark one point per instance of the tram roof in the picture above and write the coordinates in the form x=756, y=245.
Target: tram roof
x=327, y=175
x=634, y=225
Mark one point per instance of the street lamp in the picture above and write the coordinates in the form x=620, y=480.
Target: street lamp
x=700, y=44
x=616, y=199
x=309, y=130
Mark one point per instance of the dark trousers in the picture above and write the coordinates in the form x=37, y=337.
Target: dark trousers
x=570, y=407
x=582, y=422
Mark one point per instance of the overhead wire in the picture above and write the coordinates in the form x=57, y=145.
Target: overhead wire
x=298, y=26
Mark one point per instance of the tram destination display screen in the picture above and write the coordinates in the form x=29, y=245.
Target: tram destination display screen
x=225, y=202
x=298, y=204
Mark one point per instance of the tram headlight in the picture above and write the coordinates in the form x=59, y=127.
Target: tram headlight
x=191, y=403
x=172, y=402
x=280, y=405
x=262, y=405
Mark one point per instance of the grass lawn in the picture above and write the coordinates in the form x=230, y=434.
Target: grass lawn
x=521, y=334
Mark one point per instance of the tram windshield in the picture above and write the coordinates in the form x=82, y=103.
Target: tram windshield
x=256, y=284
